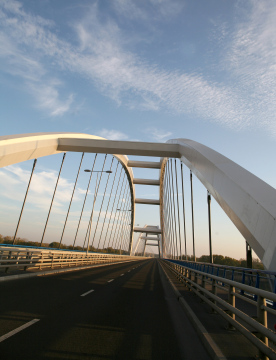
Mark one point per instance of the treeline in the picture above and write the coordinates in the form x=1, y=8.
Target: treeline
x=217, y=259
x=55, y=245
x=226, y=260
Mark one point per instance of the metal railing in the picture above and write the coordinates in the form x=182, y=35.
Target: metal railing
x=28, y=258
x=206, y=286
x=260, y=279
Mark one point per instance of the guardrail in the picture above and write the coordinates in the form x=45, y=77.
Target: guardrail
x=206, y=286
x=260, y=279
x=22, y=258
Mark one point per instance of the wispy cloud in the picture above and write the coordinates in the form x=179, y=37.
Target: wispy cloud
x=150, y=10
x=112, y=134
x=103, y=57
x=14, y=179
x=21, y=58
x=250, y=56
x=158, y=134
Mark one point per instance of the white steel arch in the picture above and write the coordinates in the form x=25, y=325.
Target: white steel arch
x=247, y=200
x=18, y=148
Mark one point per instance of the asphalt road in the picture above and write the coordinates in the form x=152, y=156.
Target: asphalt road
x=122, y=311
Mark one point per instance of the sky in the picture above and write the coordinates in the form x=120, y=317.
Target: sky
x=144, y=71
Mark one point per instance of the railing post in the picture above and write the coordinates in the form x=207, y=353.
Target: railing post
x=190, y=276
x=214, y=291
x=262, y=318
x=27, y=258
x=9, y=257
x=243, y=282
x=232, y=301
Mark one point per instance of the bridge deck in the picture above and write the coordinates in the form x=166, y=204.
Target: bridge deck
x=131, y=314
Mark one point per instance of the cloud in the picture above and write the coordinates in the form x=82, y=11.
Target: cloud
x=250, y=56
x=158, y=134
x=48, y=98
x=152, y=10
x=18, y=49
x=246, y=98
x=112, y=134
x=14, y=180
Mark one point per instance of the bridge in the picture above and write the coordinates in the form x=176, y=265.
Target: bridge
x=99, y=290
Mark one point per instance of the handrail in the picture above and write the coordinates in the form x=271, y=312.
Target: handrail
x=205, y=286
x=43, y=258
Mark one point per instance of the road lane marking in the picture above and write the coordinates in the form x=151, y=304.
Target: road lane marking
x=110, y=280
x=88, y=292
x=129, y=270
x=122, y=274
x=20, y=328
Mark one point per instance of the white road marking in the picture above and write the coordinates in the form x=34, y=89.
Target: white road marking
x=122, y=274
x=129, y=270
x=110, y=280
x=88, y=292
x=20, y=328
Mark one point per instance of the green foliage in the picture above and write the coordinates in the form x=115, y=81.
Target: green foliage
x=228, y=261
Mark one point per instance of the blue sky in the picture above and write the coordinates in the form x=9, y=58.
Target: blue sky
x=144, y=70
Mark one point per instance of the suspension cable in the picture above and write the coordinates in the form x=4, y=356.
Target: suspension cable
x=115, y=197
x=178, y=208
x=120, y=217
x=88, y=185
x=52, y=199
x=71, y=200
x=184, y=222
x=108, y=202
x=192, y=207
x=26, y=194
x=89, y=227
x=102, y=204
x=113, y=241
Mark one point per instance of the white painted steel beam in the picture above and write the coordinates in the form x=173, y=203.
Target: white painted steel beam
x=147, y=201
x=144, y=164
x=150, y=238
x=118, y=147
x=149, y=230
x=146, y=182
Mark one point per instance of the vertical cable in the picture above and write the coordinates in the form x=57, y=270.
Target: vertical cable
x=115, y=197
x=88, y=185
x=192, y=207
x=210, y=229
x=71, y=201
x=121, y=215
x=95, y=198
x=178, y=209
x=125, y=220
x=184, y=222
x=52, y=199
x=115, y=217
x=114, y=241
x=109, y=201
x=166, y=212
x=171, y=247
x=21, y=212
x=92, y=212
x=174, y=211
x=102, y=205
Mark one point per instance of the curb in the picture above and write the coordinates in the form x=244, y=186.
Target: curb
x=205, y=337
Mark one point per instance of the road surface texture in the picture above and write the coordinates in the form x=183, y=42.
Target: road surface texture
x=120, y=311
